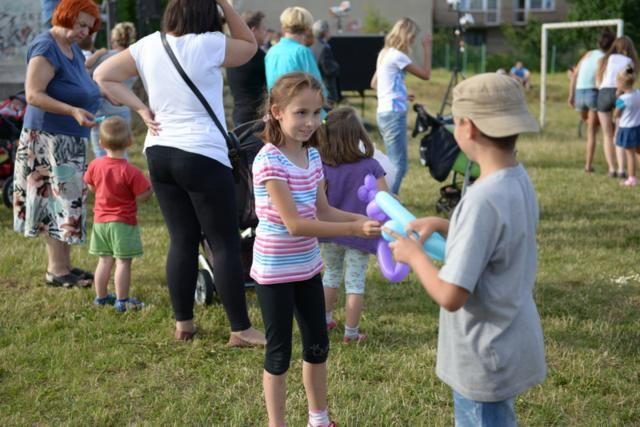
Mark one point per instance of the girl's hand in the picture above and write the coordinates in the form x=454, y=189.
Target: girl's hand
x=427, y=40
x=83, y=117
x=425, y=227
x=365, y=227
x=404, y=249
x=571, y=101
x=149, y=119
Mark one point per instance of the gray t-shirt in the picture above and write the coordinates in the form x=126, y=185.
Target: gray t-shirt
x=492, y=348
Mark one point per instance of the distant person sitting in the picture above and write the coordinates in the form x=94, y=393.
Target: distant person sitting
x=248, y=82
x=521, y=74
x=329, y=67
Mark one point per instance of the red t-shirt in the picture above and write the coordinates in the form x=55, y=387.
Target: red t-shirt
x=117, y=184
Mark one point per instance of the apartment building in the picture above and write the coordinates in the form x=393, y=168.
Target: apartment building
x=490, y=15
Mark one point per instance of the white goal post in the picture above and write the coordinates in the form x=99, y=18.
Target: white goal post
x=619, y=23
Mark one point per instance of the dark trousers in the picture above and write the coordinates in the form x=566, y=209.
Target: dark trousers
x=279, y=303
x=197, y=195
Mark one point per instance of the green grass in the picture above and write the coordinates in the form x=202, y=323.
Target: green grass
x=62, y=361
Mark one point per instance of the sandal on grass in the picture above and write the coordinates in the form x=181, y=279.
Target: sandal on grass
x=65, y=281
x=85, y=278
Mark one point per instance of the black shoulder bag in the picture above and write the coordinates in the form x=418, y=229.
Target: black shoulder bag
x=241, y=170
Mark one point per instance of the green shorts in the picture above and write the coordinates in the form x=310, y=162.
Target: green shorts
x=115, y=239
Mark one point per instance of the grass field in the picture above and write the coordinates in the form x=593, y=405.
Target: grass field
x=62, y=361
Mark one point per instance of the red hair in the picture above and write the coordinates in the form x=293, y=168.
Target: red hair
x=67, y=13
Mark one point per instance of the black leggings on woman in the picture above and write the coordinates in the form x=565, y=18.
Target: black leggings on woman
x=197, y=194
x=279, y=302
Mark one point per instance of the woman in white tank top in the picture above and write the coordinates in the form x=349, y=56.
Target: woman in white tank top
x=583, y=92
x=621, y=54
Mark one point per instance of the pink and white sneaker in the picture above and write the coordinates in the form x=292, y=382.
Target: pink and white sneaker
x=632, y=181
x=331, y=325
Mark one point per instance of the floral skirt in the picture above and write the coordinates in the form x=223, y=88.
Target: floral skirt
x=49, y=193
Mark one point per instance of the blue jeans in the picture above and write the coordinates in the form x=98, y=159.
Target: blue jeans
x=471, y=413
x=393, y=128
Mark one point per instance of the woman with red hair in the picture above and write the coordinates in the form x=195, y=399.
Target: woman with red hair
x=49, y=192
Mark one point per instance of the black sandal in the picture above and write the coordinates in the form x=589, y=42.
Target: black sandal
x=65, y=281
x=85, y=278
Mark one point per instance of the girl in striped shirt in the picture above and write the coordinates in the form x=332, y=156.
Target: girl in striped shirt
x=292, y=207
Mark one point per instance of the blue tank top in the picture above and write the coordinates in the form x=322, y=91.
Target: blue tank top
x=71, y=84
x=588, y=69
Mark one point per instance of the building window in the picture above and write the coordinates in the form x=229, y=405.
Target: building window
x=522, y=8
x=520, y=11
x=542, y=5
x=492, y=12
x=476, y=5
x=490, y=8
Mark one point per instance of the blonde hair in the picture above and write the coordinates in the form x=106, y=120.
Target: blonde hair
x=402, y=35
x=622, y=46
x=115, y=133
x=626, y=77
x=342, y=135
x=283, y=91
x=124, y=34
x=296, y=20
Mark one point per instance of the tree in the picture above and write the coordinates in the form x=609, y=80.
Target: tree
x=628, y=10
x=374, y=22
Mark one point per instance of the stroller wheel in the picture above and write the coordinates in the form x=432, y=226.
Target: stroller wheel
x=205, y=288
x=7, y=192
x=442, y=207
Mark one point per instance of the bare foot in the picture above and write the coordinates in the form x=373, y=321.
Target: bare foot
x=185, y=326
x=251, y=336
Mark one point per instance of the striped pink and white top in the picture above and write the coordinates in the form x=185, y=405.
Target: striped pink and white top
x=279, y=257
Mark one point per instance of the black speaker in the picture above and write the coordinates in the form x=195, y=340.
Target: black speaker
x=357, y=55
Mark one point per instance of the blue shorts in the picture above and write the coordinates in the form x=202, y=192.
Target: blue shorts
x=472, y=413
x=628, y=137
x=586, y=99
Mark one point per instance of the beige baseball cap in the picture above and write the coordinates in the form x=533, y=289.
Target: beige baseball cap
x=495, y=103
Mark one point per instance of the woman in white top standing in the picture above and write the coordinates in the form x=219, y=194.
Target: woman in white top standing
x=186, y=153
x=583, y=92
x=621, y=54
x=392, y=65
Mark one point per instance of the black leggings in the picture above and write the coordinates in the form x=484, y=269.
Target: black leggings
x=278, y=303
x=197, y=194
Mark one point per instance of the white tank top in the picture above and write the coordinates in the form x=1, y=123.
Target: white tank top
x=615, y=64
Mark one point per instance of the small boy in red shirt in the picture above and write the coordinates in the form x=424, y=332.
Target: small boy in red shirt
x=115, y=237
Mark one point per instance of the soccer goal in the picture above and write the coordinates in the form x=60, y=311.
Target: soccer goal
x=619, y=23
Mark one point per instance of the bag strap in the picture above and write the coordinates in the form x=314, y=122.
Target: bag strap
x=232, y=143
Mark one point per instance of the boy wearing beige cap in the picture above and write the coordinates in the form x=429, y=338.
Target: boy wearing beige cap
x=490, y=344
